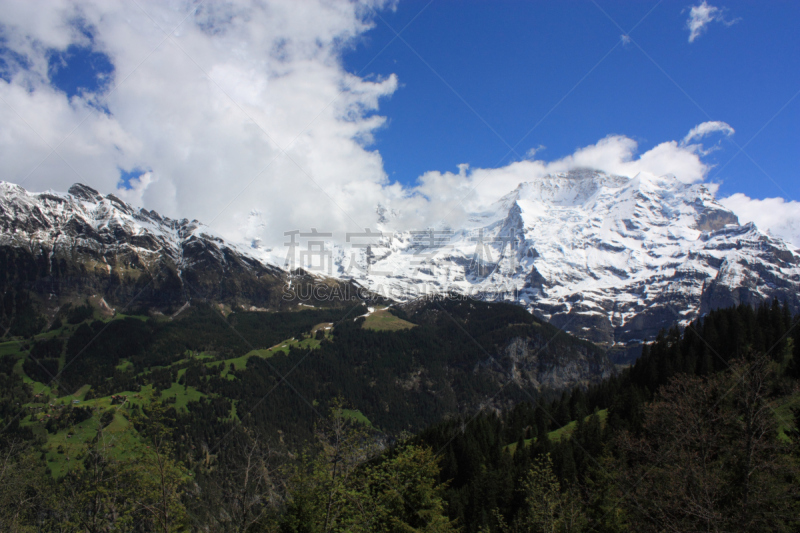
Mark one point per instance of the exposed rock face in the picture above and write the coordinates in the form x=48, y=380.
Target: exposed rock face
x=610, y=259
x=510, y=345
x=529, y=363
x=62, y=246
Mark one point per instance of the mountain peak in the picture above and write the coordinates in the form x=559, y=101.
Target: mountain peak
x=609, y=258
x=84, y=192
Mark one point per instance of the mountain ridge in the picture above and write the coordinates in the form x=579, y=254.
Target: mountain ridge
x=610, y=259
x=66, y=246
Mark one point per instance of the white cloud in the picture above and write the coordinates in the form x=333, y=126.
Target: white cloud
x=701, y=16
x=779, y=217
x=247, y=107
x=247, y=121
x=707, y=128
x=531, y=153
x=136, y=188
x=454, y=195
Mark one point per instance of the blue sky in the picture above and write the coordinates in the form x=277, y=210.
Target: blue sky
x=272, y=115
x=476, y=77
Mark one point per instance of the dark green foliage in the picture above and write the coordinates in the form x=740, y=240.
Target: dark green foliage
x=43, y=360
x=13, y=393
x=47, y=348
x=41, y=370
x=401, y=381
x=76, y=315
x=94, y=350
x=793, y=369
x=703, y=348
x=68, y=417
x=483, y=483
x=18, y=315
x=107, y=418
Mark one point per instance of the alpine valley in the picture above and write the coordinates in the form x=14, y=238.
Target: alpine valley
x=155, y=376
x=385, y=266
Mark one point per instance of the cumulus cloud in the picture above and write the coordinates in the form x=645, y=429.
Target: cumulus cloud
x=779, y=217
x=246, y=106
x=451, y=197
x=531, y=153
x=244, y=118
x=701, y=16
x=707, y=128
x=455, y=195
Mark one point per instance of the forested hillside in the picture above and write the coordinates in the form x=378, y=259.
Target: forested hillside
x=445, y=415
x=701, y=434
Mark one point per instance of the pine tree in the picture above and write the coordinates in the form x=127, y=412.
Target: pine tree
x=158, y=477
x=541, y=420
x=546, y=508
x=520, y=453
x=793, y=370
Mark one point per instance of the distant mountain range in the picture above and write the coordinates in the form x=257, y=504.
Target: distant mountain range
x=609, y=258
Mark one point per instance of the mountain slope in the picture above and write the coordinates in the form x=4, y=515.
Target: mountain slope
x=609, y=258
x=64, y=247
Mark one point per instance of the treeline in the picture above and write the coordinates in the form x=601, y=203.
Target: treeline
x=700, y=434
x=91, y=351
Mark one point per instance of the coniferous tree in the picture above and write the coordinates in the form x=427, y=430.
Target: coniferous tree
x=709, y=460
x=546, y=508
x=793, y=370
x=158, y=477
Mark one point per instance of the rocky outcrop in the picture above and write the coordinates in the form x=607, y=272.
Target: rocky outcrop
x=529, y=363
x=64, y=247
x=609, y=258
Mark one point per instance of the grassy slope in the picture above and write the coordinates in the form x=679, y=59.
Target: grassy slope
x=119, y=437
x=383, y=320
x=356, y=415
x=306, y=343
x=63, y=449
x=563, y=432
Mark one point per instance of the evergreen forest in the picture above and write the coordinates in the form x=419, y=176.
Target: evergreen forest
x=349, y=419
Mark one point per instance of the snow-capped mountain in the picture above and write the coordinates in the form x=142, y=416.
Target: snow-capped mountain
x=610, y=258
x=64, y=247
